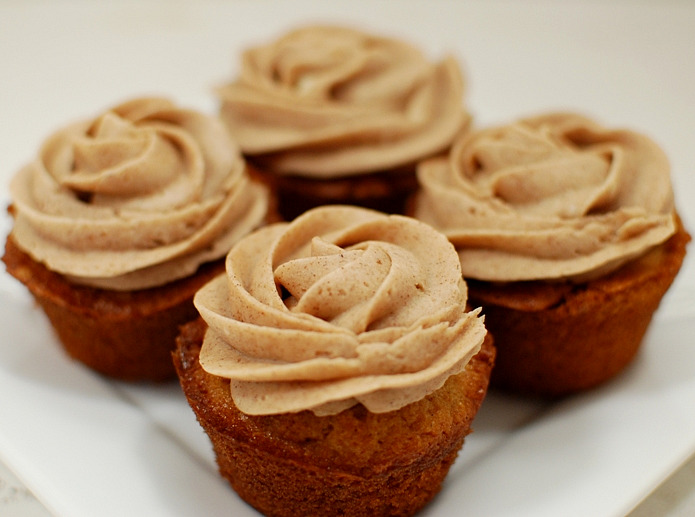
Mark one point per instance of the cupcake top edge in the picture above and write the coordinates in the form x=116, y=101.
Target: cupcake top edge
x=140, y=195
x=343, y=305
x=328, y=101
x=552, y=197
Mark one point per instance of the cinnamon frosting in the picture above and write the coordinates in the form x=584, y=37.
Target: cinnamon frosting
x=342, y=306
x=556, y=196
x=326, y=101
x=138, y=196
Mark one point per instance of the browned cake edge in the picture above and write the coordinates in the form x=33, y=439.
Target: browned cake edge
x=353, y=463
x=558, y=339
x=384, y=191
x=124, y=335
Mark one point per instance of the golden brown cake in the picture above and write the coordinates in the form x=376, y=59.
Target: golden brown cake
x=120, y=220
x=335, y=366
x=384, y=191
x=591, y=330
x=355, y=462
x=127, y=335
x=332, y=115
x=568, y=238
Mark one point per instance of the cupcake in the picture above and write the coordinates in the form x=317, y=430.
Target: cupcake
x=568, y=238
x=333, y=115
x=118, y=222
x=335, y=366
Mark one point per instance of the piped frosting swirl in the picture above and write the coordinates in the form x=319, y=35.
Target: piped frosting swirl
x=550, y=197
x=326, y=101
x=343, y=305
x=138, y=196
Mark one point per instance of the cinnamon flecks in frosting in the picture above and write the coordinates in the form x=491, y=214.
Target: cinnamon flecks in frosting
x=138, y=196
x=326, y=101
x=552, y=197
x=343, y=305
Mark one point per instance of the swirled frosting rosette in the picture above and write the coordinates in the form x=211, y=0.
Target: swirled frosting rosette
x=551, y=197
x=136, y=197
x=326, y=101
x=342, y=306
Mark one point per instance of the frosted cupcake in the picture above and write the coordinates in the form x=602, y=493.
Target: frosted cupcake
x=335, y=115
x=335, y=366
x=568, y=237
x=119, y=220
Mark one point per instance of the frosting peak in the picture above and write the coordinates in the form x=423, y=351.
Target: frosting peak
x=343, y=305
x=138, y=196
x=332, y=101
x=554, y=196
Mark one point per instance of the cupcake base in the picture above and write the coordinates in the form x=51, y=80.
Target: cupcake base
x=383, y=191
x=558, y=339
x=124, y=335
x=354, y=463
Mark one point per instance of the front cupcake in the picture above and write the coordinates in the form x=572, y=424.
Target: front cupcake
x=117, y=223
x=335, y=366
x=335, y=115
x=568, y=237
